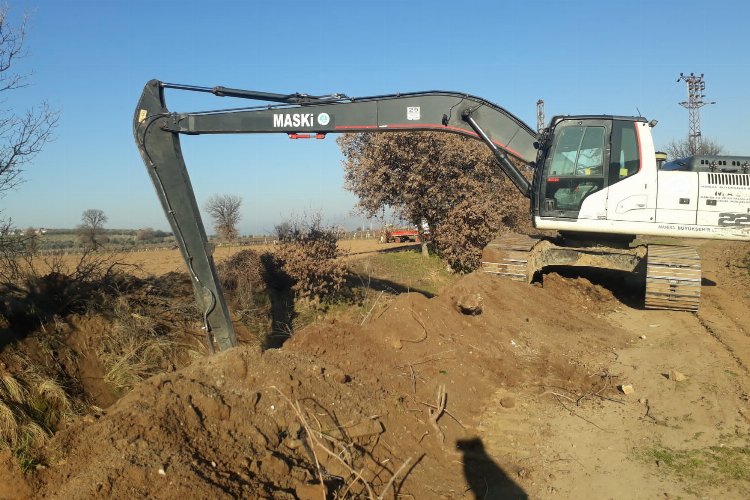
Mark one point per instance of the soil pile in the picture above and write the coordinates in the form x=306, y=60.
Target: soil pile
x=388, y=407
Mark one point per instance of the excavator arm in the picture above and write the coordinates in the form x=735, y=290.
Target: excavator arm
x=157, y=131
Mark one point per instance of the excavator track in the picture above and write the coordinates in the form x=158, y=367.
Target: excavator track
x=508, y=256
x=673, y=278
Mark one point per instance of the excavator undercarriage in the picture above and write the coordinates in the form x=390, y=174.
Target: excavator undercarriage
x=671, y=274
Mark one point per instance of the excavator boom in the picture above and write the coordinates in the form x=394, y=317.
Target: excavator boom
x=157, y=131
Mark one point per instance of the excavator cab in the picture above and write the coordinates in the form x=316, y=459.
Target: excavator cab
x=579, y=159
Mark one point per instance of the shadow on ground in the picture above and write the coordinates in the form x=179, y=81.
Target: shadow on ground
x=485, y=478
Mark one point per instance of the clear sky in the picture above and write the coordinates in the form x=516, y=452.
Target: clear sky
x=90, y=60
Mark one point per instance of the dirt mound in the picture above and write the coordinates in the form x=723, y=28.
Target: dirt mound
x=353, y=405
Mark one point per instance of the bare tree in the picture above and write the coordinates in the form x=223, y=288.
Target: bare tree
x=224, y=209
x=681, y=148
x=91, y=229
x=23, y=134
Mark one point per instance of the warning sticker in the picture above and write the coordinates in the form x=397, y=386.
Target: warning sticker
x=413, y=113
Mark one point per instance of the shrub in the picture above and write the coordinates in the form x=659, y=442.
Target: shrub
x=33, y=289
x=309, y=255
x=244, y=280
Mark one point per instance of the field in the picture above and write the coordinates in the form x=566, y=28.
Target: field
x=160, y=261
x=566, y=389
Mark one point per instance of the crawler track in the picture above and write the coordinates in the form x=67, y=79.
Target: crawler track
x=673, y=278
x=508, y=256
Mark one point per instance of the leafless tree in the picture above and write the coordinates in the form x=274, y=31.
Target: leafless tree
x=681, y=149
x=23, y=134
x=224, y=209
x=91, y=229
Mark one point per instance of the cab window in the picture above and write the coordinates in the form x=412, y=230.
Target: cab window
x=576, y=169
x=625, y=157
x=579, y=152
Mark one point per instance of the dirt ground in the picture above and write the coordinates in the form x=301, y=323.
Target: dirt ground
x=430, y=398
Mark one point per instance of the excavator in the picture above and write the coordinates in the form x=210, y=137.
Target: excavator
x=596, y=183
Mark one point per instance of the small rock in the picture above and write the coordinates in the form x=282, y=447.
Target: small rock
x=470, y=303
x=292, y=444
x=626, y=389
x=642, y=337
x=677, y=376
x=162, y=472
x=508, y=402
x=339, y=376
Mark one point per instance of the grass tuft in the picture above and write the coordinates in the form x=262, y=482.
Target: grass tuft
x=711, y=466
x=135, y=348
x=32, y=407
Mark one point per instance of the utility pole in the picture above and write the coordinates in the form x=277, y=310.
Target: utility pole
x=695, y=88
x=540, y=115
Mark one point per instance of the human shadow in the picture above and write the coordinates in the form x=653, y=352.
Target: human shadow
x=485, y=478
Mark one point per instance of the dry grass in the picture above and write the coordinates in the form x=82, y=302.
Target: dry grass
x=136, y=348
x=32, y=407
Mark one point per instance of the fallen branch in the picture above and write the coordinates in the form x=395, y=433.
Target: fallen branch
x=446, y=412
x=434, y=357
x=436, y=412
x=580, y=416
x=424, y=329
x=316, y=441
x=373, y=307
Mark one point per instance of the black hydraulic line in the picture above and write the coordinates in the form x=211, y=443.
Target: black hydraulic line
x=510, y=170
x=162, y=155
x=220, y=91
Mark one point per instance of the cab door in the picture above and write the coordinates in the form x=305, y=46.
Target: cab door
x=632, y=173
x=574, y=171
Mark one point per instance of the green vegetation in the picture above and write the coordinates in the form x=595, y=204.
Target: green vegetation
x=705, y=467
x=405, y=270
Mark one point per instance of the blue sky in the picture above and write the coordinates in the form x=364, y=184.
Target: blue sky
x=90, y=60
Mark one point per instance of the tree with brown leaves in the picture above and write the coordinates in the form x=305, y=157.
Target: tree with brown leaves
x=449, y=181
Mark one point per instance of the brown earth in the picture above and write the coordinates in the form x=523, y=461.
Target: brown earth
x=530, y=399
